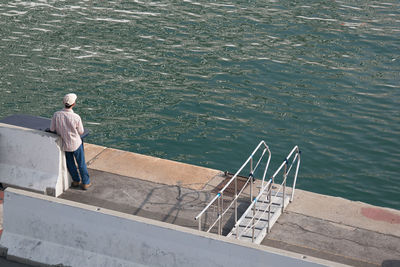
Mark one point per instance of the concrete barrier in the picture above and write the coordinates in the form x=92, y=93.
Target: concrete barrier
x=48, y=230
x=32, y=160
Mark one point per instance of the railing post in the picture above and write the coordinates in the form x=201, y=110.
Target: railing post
x=222, y=210
x=237, y=232
x=284, y=185
x=251, y=164
x=251, y=178
x=266, y=166
x=236, y=206
x=251, y=191
x=219, y=214
x=252, y=221
x=269, y=207
x=295, y=175
x=200, y=223
x=237, y=226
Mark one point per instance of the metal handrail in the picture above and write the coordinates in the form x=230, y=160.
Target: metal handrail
x=249, y=209
x=221, y=211
x=282, y=187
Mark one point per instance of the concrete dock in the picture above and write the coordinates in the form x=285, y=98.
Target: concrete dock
x=313, y=225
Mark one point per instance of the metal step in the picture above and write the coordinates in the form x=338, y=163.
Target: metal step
x=262, y=223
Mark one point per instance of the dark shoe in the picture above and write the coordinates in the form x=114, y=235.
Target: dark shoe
x=75, y=184
x=86, y=186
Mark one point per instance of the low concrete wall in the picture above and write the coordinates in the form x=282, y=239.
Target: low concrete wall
x=32, y=160
x=52, y=231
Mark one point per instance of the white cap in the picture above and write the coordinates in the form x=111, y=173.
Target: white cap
x=69, y=99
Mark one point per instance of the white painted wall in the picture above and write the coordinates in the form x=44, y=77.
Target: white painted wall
x=32, y=159
x=49, y=230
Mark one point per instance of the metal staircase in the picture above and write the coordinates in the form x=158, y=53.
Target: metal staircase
x=270, y=203
x=257, y=221
x=265, y=209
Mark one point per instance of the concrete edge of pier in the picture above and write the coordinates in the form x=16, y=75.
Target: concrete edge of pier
x=148, y=168
x=102, y=237
x=328, y=208
x=319, y=210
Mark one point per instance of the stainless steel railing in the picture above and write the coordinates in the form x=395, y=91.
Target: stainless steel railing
x=265, y=195
x=218, y=200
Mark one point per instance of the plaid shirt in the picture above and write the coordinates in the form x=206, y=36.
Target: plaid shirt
x=68, y=125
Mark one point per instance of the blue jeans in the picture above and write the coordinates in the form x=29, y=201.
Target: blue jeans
x=79, y=155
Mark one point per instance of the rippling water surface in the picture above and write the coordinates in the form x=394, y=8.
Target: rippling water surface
x=203, y=82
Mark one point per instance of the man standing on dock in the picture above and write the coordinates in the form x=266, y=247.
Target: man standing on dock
x=68, y=125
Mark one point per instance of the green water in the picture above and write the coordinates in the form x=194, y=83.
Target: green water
x=203, y=82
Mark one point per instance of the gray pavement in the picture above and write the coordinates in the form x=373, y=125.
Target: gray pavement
x=333, y=241
x=173, y=204
x=294, y=232
x=315, y=225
